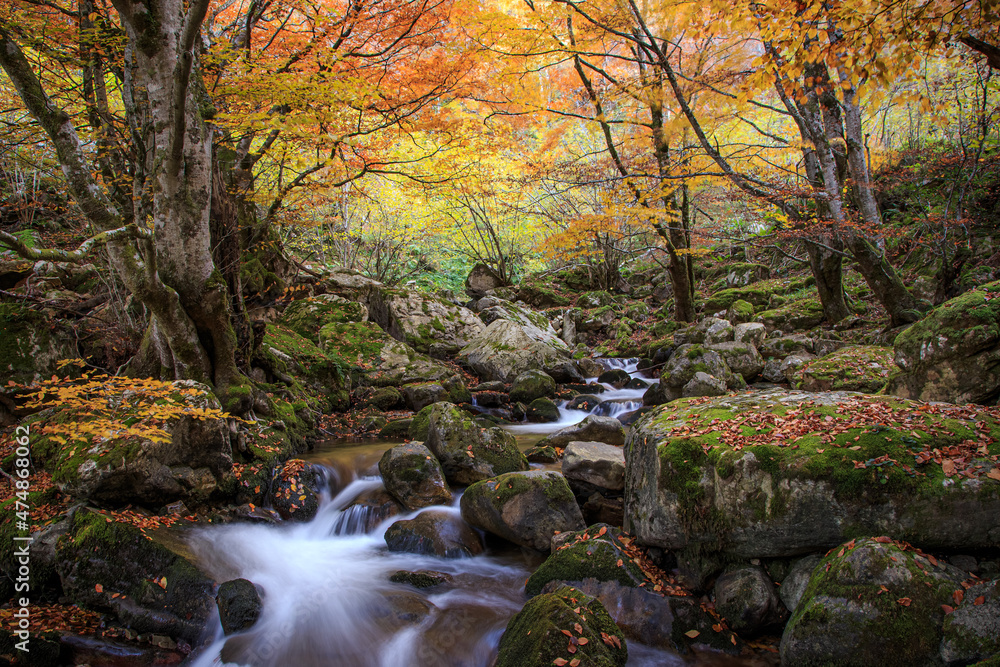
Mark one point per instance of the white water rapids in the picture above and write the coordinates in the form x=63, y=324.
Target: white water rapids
x=328, y=601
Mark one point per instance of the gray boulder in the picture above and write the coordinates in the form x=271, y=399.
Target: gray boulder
x=794, y=584
x=745, y=596
x=595, y=463
x=413, y=476
x=742, y=358
x=972, y=632
x=506, y=349
x=752, y=333
x=593, y=428
x=481, y=281
x=422, y=320
x=526, y=508
x=434, y=533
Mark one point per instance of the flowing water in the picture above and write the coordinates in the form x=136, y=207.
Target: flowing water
x=327, y=597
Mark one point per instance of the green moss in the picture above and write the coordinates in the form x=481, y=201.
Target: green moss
x=535, y=636
x=589, y=559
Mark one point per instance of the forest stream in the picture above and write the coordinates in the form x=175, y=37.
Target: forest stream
x=328, y=599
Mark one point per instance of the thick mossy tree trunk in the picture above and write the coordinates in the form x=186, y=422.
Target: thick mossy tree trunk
x=170, y=267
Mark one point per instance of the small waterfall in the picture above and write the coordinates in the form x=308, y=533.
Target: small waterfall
x=613, y=402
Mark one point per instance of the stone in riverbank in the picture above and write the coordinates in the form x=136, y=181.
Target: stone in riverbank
x=467, y=452
x=776, y=474
x=239, y=605
x=536, y=636
x=413, y=476
x=111, y=566
x=595, y=463
x=594, y=428
x=434, y=533
x=526, y=508
x=870, y=602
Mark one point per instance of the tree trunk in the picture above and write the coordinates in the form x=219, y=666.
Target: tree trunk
x=827, y=269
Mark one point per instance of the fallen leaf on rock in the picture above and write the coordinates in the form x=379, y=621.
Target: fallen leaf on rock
x=692, y=633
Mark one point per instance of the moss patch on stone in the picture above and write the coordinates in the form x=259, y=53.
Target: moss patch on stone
x=535, y=636
x=864, y=368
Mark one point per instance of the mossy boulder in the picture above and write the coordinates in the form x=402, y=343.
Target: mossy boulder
x=385, y=398
x=863, y=368
x=506, y=349
x=423, y=321
x=536, y=636
x=740, y=312
x=297, y=488
x=31, y=344
x=972, y=632
x=375, y=358
x=538, y=292
x=780, y=347
x=542, y=454
x=953, y=354
x=434, y=533
x=307, y=316
x=597, y=552
x=542, y=410
x=110, y=566
x=467, y=452
x=780, y=473
x=759, y=293
x=797, y=315
x=871, y=601
x=308, y=370
x=741, y=358
x=530, y=385
x=192, y=464
x=239, y=605
x=526, y=508
x=413, y=476
x=493, y=308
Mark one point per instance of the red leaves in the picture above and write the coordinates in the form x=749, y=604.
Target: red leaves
x=904, y=601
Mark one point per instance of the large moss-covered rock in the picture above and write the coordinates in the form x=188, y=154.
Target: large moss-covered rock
x=506, y=349
x=526, y=508
x=109, y=566
x=972, y=632
x=863, y=368
x=797, y=315
x=413, y=476
x=953, y=354
x=530, y=385
x=425, y=322
x=31, y=344
x=679, y=373
x=775, y=474
x=375, y=358
x=467, y=452
x=190, y=465
x=536, y=636
x=307, y=316
x=871, y=602
x=596, y=553
x=306, y=368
